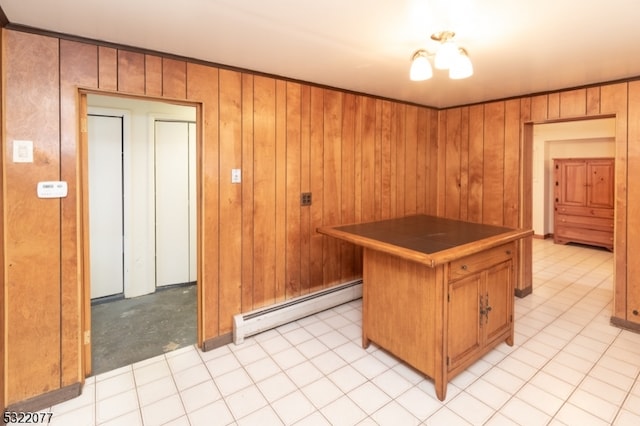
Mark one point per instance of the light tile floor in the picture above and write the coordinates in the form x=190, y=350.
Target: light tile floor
x=568, y=366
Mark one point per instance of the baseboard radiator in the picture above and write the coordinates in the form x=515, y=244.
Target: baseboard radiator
x=254, y=322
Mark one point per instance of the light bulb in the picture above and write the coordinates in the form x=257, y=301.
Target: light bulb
x=461, y=66
x=420, y=67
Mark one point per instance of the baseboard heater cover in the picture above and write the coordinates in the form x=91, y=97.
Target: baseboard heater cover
x=263, y=319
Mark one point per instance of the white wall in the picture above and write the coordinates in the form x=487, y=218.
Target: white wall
x=139, y=244
x=572, y=139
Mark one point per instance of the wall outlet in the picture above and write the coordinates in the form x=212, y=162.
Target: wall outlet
x=305, y=199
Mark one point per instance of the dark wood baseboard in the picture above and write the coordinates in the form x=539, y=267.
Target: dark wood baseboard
x=216, y=342
x=523, y=292
x=626, y=324
x=542, y=237
x=46, y=400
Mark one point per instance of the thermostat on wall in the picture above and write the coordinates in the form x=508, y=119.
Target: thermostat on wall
x=52, y=189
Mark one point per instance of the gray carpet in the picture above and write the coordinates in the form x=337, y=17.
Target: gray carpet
x=131, y=330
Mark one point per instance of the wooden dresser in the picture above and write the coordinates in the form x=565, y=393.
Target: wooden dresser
x=584, y=201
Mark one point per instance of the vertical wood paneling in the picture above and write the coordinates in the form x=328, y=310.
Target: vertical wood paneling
x=553, y=105
x=294, y=229
x=107, y=68
x=152, y=75
x=386, y=160
x=398, y=175
x=539, y=108
x=78, y=67
x=573, y=103
x=512, y=165
x=348, y=182
x=411, y=160
x=264, y=185
x=174, y=78
x=633, y=203
x=379, y=172
x=316, y=172
x=434, y=158
x=281, y=188
x=476, y=163
x=614, y=100
x=230, y=235
x=202, y=84
x=32, y=241
x=306, y=231
x=332, y=182
x=423, y=165
x=593, y=100
x=130, y=72
x=2, y=254
x=464, y=163
x=357, y=157
x=368, y=146
x=493, y=172
x=452, y=163
x=441, y=152
x=247, y=192
x=525, y=280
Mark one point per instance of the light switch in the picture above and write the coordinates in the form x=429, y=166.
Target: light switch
x=22, y=151
x=236, y=175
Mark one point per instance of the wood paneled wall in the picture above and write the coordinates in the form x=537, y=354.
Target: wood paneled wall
x=2, y=269
x=362, y=158
x=486, y=151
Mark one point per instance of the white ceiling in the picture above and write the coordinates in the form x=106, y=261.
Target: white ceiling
x=517, y=47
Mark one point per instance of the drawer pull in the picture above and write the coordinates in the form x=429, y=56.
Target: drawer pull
x=464, y=267
x=508, y=252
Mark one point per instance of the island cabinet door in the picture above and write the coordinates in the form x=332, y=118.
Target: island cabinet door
x=498, y=302
x=464, y=313
x=480, y=310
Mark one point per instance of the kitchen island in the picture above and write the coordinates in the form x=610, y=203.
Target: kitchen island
x=437, y=293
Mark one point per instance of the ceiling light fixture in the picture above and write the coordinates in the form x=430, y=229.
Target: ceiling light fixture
x=448, y=56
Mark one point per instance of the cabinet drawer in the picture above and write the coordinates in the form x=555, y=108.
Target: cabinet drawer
x=475, y=263
x=599, y=223
x=584, y=211
x=588, y=236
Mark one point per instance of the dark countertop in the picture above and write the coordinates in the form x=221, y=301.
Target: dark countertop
x=427, y=239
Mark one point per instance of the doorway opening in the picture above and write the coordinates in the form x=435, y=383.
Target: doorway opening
x=140, y=179
x=589, y=138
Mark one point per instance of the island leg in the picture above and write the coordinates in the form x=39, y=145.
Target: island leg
x=441, y=389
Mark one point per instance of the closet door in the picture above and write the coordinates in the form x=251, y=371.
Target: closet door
x=173, y=215
x=105, y=205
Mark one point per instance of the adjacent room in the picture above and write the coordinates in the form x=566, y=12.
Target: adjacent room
x=340, y=213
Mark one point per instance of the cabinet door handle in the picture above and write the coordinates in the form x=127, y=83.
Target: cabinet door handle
x=464, y=267
x=487, y=310
x=508, y=252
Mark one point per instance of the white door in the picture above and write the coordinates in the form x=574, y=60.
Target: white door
x=175, y=202
x=105, y=205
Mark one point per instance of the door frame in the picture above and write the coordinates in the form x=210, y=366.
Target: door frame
x=526, y=201
x=83, y=217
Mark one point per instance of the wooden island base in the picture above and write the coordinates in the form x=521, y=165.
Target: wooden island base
x=430, y=297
